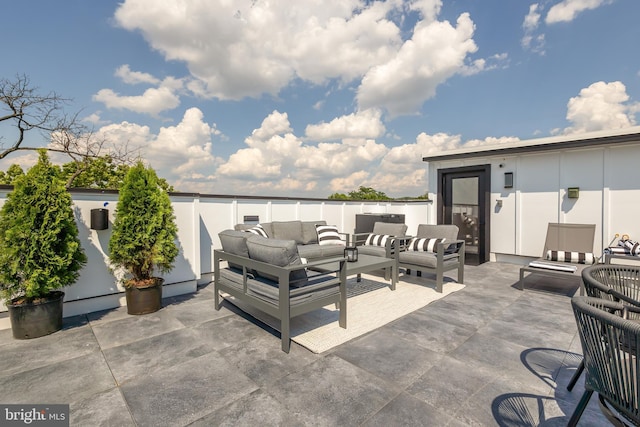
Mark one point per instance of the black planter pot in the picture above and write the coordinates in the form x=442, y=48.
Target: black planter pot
x=37, y=319
x=143, y=300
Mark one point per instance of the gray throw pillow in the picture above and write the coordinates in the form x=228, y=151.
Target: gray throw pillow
x=281, y=253
x=288, y=230
x=235, y=242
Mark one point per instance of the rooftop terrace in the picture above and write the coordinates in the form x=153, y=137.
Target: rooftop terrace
x=487, y=355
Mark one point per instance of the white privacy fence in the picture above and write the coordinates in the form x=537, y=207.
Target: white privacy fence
x=199, y=218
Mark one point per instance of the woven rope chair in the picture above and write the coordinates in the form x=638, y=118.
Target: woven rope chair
x=611, y=282
x=611, y=347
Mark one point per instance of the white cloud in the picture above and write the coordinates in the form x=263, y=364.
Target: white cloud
x=246, y=49
x=567, y=10
x=275, y=157
x=235, y=50
x=601, y=106
x=153, y=101
x=135, y=77
x=363, y=124
x=436, y=52
x=183, y=154
x=531, y=40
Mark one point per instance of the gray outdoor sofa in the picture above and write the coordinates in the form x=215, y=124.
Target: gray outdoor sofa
x=268, y=275
x=305, y=235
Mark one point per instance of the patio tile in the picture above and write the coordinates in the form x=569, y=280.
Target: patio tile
x=197, y=312
x=108, y=409
x=331, y=392
x=149, y=355
x=62, y=382
x=233, y=330
x=489, y=354
x=388, y=356
x=432, y=334
x=406, y=410
x=450, y=380
x=132, y=328
x=501, y=357
x=186, y=392
x=47, y=350
x=254, y=409
x=262, y=360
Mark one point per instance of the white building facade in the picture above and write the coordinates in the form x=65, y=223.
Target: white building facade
x=592, y=178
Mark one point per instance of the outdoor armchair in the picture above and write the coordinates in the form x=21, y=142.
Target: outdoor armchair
x=434, y=249
x=383, y=241
x=611, y=348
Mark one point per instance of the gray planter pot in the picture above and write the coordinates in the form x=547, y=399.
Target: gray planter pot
x=37, y=319
x=145, y=300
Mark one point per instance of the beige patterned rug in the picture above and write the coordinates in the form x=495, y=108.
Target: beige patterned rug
x=370, y=305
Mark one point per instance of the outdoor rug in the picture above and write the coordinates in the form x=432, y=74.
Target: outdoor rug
x=370, y=305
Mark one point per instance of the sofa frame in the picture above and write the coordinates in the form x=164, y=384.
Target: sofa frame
x=324, y=288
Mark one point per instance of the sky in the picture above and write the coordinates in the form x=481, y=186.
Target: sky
x=307, y=98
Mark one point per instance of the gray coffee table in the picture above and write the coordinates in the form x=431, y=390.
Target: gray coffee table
x=369, y=263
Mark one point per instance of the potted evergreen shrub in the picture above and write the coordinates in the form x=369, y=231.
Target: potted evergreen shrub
x=143, y=240
x=39, y=250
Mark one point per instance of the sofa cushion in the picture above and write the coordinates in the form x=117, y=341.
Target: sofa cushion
x=309, y=233
x=426, y=259
x=424, y=244
x=281, y=253
x=315, y=251
x=287, y=230
x=234, y=242
x=328, y=235
x=393, y=229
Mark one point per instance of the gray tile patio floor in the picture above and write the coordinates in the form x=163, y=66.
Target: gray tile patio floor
x=487, y=355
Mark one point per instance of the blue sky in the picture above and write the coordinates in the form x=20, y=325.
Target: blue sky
x=313, y=97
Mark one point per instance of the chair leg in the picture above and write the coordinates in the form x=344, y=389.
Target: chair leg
x=576, y=375
x=584, y=401
x=285, y=334
x=521, y=283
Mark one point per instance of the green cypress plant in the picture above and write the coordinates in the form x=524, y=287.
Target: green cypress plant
x=144, y=234
x=39, y=246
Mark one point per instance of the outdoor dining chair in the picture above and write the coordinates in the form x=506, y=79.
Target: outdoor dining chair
x=611, y=348
x=612, y=282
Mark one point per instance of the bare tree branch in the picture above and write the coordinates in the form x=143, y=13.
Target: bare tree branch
x=24, y=108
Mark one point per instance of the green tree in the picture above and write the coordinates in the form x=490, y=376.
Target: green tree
x=11, y=174
x=367, y=193
x=39, y=246
x=144, y=232
x=339, y=196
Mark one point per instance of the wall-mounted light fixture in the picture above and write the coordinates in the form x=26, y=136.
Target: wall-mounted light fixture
x=100, y=218
x=573, y=192
x=251, y=219
x=508, y=180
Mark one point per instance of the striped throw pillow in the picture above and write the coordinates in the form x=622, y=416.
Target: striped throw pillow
x=574, y=257
x=378, y=239
x=258, y=230
x=328, y=235
x=424, y=244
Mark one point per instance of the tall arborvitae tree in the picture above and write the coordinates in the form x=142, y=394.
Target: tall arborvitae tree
x=39, y=246
x=144, y=231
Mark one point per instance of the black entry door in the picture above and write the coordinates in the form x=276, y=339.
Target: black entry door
x=464, y=195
